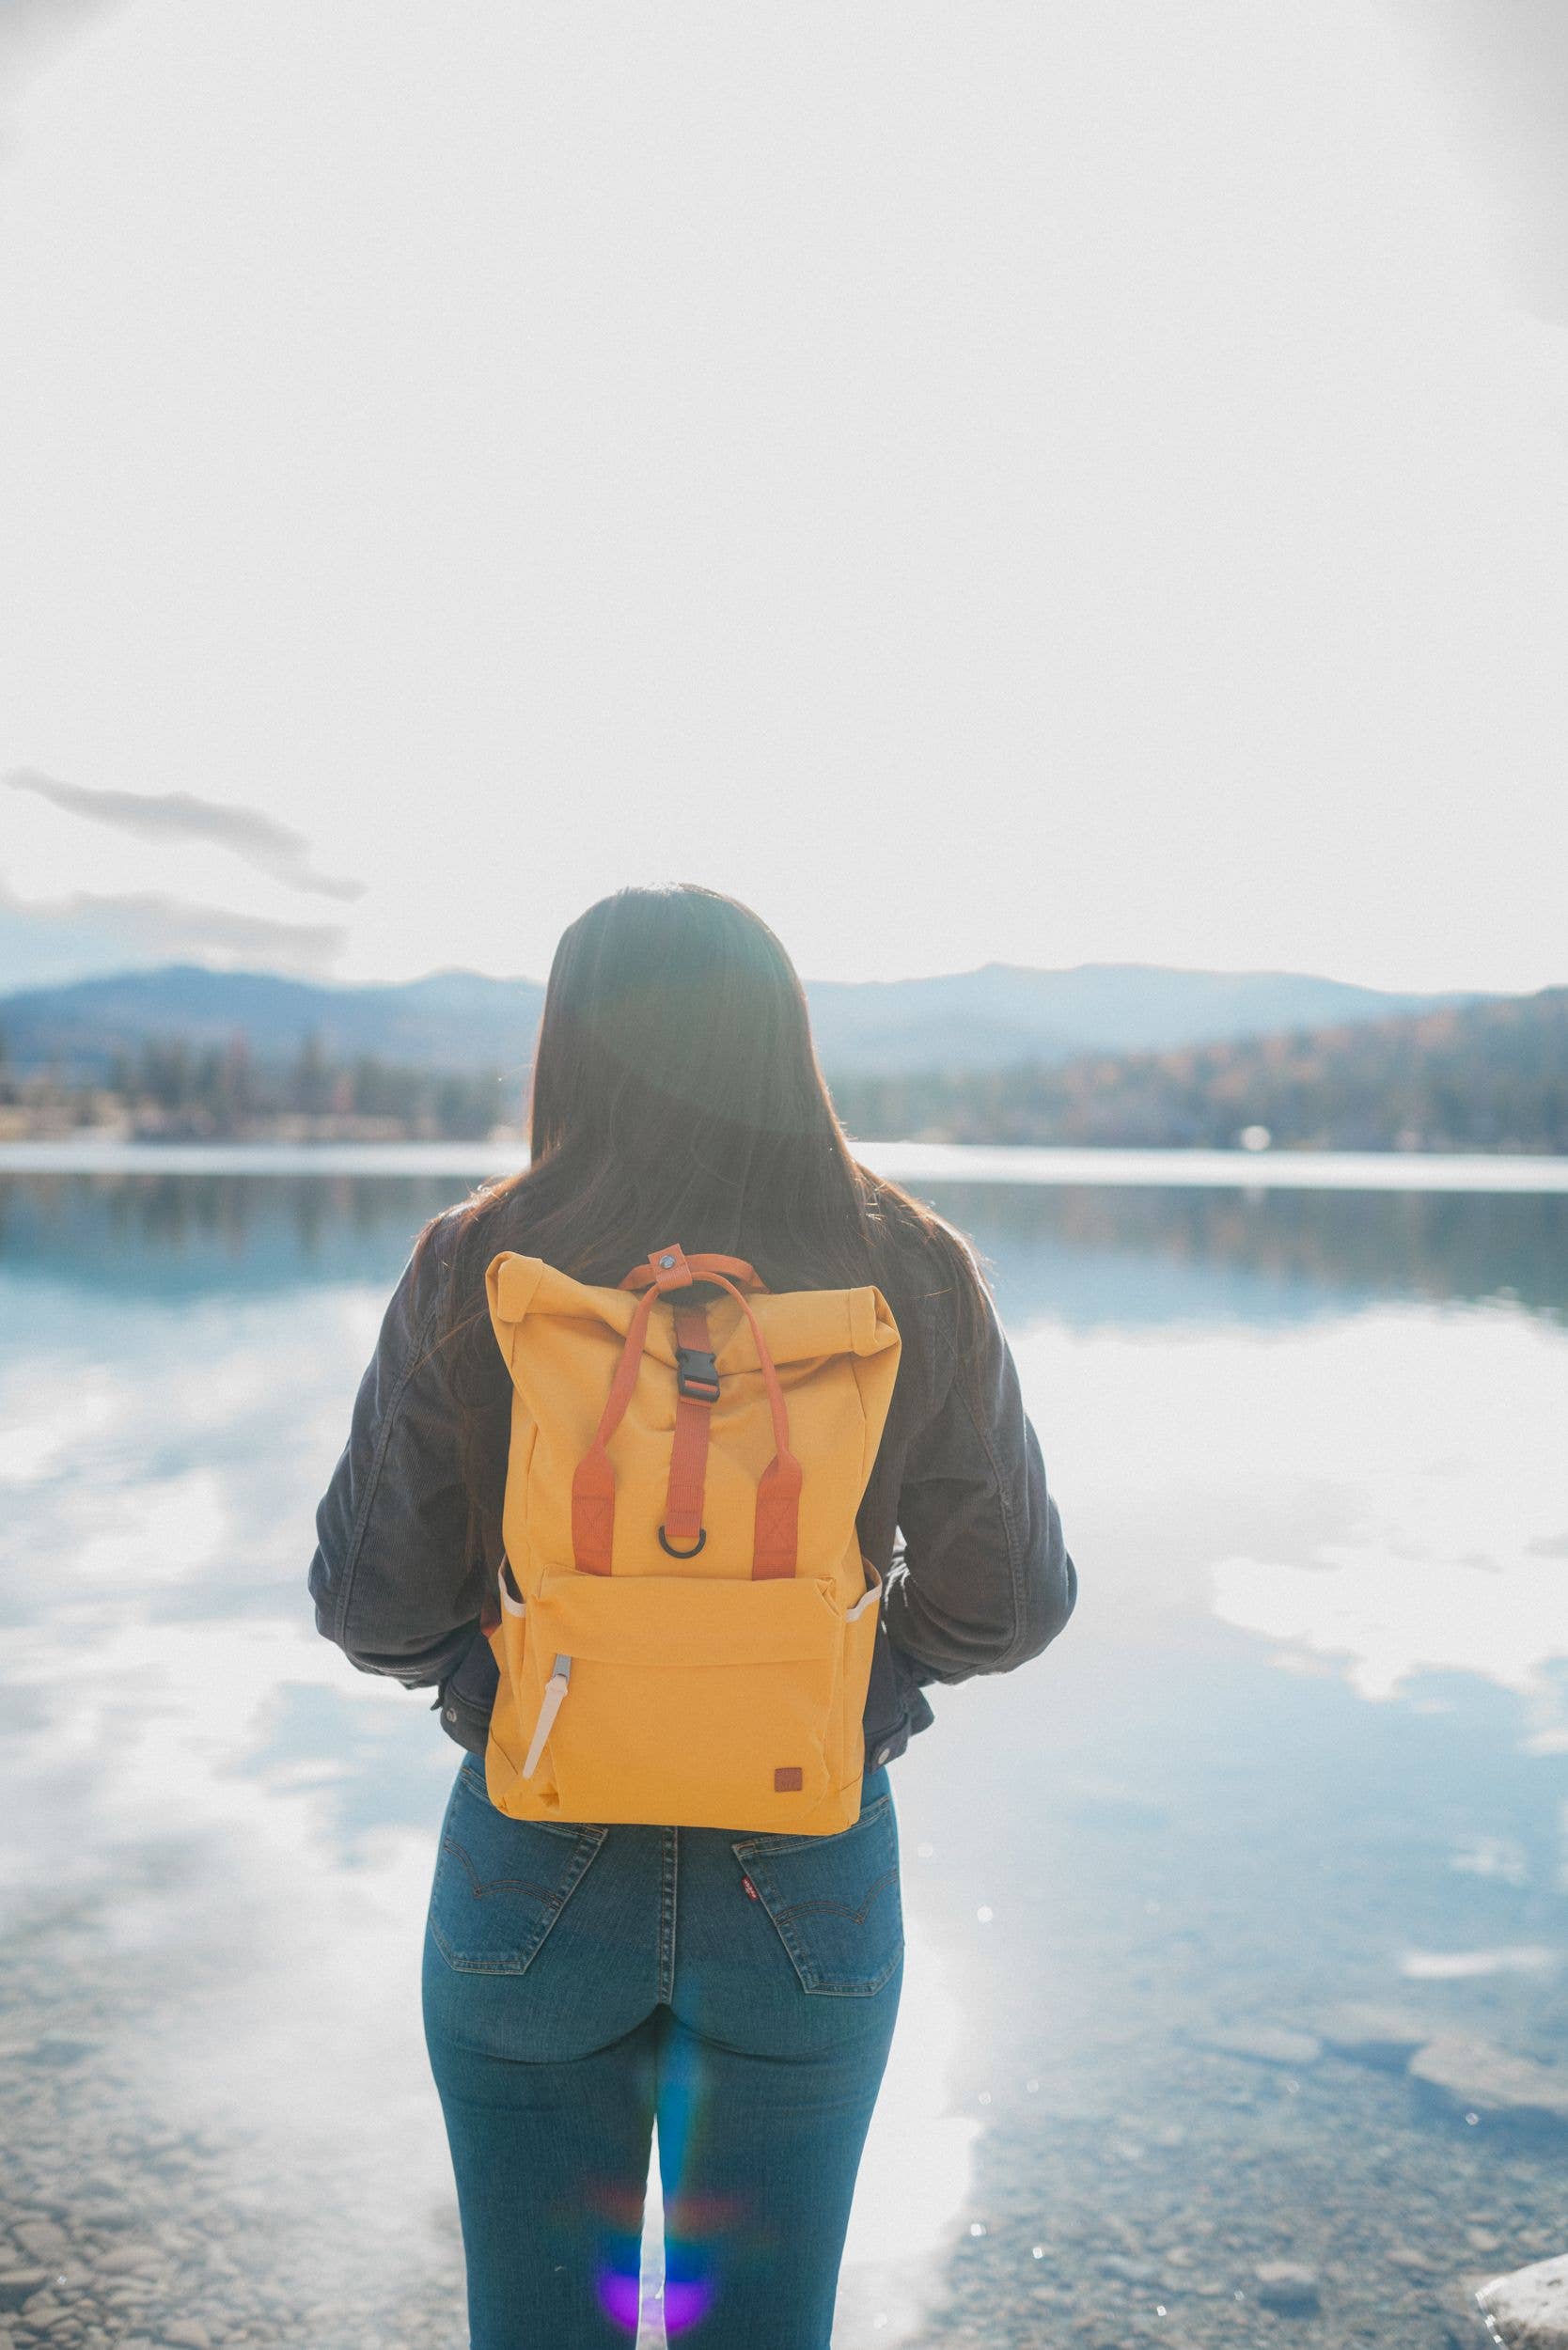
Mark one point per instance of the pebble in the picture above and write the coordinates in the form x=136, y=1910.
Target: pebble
x=43, y=2238
x=128, y=2256
x=1131, y=2272
x=1267, y=2043
x=1289, y=2286
x=1383, y=2037
x=1529, y=2309
x=1479, y=2077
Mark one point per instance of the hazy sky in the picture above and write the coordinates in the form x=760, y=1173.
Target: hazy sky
x=1039, y=483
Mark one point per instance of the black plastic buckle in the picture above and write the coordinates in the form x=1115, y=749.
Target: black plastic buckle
x=697, y=1373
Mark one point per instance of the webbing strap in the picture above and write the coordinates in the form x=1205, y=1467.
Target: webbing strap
x=688, y=1452
x=690, y=1269
x=776, y=1531
x=593, y=1482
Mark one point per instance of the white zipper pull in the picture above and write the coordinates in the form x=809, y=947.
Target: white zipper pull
x=554, y=1690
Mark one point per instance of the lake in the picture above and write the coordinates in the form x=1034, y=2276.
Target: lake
x=1304, y=1744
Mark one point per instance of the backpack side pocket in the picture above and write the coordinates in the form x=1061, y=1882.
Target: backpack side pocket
x=509, y=1643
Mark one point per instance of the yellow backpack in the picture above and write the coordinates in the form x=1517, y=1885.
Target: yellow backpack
x=685, y=1619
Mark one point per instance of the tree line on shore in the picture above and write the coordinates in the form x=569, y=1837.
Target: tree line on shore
x=172, y=1091
x=1485, y=1076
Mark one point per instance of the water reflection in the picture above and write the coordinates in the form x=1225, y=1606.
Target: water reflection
x=1306, y=1743
x=1397, y=1478
x=1082, y=1253
x=1091, y=1257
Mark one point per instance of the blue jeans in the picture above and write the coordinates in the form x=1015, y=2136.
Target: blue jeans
x=580, y=1982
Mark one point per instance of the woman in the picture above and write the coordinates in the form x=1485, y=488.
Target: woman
x=581, y=1980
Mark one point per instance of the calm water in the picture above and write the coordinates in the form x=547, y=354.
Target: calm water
x=1306, y=1742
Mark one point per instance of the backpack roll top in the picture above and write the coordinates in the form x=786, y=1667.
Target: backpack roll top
x=686, y=1621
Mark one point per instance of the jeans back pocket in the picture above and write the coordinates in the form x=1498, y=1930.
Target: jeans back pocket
x=500, y=1883
x=835, y=1899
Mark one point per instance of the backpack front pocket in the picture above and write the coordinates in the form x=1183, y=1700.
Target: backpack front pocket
x=700, y=1702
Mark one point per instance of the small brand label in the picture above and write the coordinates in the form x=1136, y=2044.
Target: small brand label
x=787, y=1779
x=751, y=1889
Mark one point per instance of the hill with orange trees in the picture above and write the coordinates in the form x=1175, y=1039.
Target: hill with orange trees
x=1490, y=1075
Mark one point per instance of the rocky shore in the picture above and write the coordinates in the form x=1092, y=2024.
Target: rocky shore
x=1321, y=2186
x=120, y=2232
x=1351, y=2181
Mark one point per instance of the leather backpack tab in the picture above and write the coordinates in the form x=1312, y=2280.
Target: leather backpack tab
x=682, y=1598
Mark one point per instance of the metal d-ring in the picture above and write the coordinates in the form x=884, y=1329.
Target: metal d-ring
x=670, y=1553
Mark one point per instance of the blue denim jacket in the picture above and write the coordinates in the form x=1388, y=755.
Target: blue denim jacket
x=956, y=1517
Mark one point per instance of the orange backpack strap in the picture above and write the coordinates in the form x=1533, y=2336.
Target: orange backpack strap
x=775, y=1535
x=682, y=1534
x=593, y=1481
x=688, y=1269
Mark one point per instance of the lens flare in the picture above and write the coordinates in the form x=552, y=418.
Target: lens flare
x=620, y=2298
x=686, y=2301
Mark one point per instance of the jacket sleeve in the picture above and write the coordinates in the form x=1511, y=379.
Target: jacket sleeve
x=986, y=1581
x=391, y=1578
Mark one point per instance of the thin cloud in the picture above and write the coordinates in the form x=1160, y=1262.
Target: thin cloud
x=32, y=30
x=1502, y=75
x=32, y=34
x=43, y=941
x=260, y=840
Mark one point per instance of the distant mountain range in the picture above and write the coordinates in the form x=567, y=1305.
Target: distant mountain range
x=989, y=1019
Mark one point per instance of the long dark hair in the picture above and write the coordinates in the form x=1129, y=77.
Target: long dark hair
x=676, y=1095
